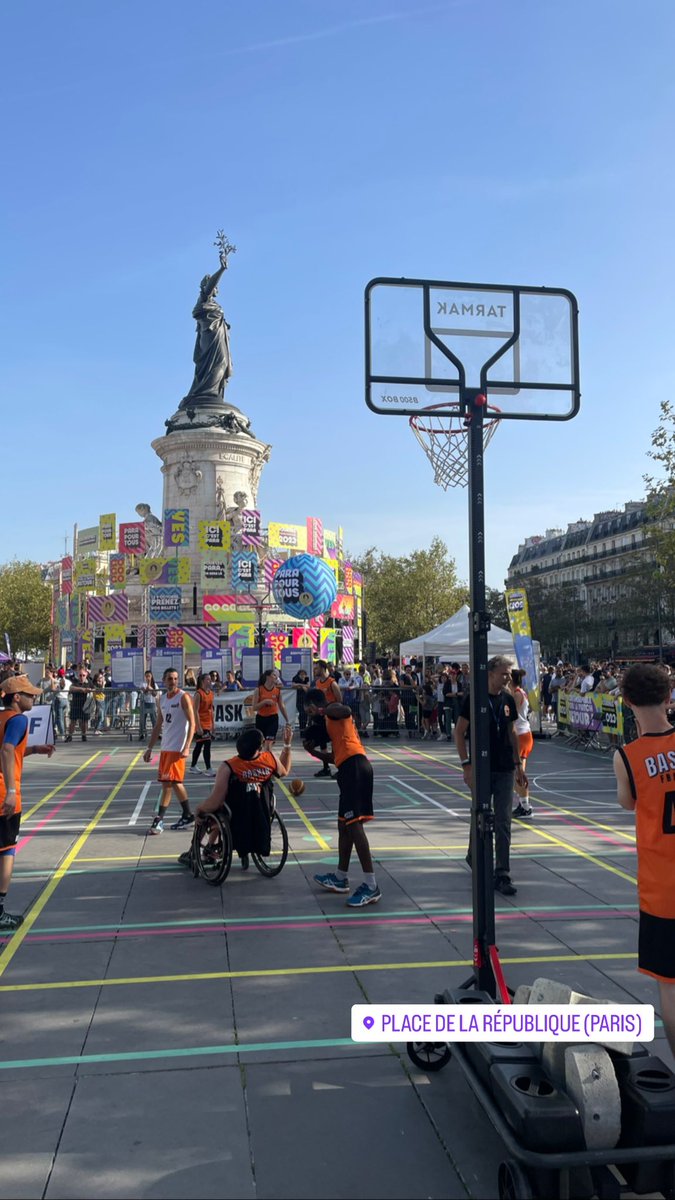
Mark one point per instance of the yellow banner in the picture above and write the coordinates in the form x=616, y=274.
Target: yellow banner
x=150, y=569
x=213, y=535
x=107, y=532
x=114, y=633
x=287, y=537
x=245, y=634
x=519, y=620
x=84, y=574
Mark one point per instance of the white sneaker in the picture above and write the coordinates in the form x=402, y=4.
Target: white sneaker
x=210, y=773
x=194, y=771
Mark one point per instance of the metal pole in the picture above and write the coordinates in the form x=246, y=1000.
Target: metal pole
x=482, y=816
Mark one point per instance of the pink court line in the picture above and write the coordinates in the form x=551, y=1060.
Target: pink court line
x=52, y=813
x=460, y=918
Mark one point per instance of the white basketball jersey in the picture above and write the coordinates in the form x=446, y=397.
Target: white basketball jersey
x=174, y=722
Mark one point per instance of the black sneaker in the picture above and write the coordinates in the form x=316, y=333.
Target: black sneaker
x=9, y=922
x=467, y=860
x=185, y=859
x=324, y=773
x=183, y=822
x=245, y=862
x=68, y=737
x=521, y=811
x=504, y=886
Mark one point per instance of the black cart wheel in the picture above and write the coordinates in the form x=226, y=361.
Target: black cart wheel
x=429, y=1056
x=212, y=849
x=271, y=864
x=513, y=1182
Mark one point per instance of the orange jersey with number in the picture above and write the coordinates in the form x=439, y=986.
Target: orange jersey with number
x=268, y=699
x=19, y=752
x=650, y=763
x=254, y=770
x=344, y=739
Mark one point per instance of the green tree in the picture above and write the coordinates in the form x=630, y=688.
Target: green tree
x=408, y=595
x=25, y=606
x=495, y=604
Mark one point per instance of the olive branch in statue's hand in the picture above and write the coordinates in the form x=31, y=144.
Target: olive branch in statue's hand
x=224, y=246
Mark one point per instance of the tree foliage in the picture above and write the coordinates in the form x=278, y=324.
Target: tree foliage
x=409, y=595
x=25, y=606
x=495, y=605
x=661, y=498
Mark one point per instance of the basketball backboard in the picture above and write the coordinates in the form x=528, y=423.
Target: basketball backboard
x=427, y=340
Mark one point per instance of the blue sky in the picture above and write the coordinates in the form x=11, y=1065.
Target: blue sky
x=525, y=142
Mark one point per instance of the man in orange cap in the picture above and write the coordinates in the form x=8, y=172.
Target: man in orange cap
x=18, y=694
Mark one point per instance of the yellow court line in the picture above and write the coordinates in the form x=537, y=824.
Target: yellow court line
x=310, y=850
x=10, y=950
x=569, y=812
x=531, y=828
x=305, y=820
x=286, y=971
x=29, y=812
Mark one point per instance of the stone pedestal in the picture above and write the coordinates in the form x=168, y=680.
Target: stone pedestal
x=203, y=469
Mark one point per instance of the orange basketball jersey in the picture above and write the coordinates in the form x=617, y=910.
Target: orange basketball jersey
x=650, y=763
x=19, y=752
x=344, y=739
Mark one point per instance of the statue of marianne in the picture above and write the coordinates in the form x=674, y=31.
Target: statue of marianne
x=212, y=358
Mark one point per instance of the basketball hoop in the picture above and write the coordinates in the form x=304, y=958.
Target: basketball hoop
x=443, y=437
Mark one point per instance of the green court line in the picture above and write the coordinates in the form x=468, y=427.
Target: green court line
x=400, y=792
x=187, y=1052
x=219, y=922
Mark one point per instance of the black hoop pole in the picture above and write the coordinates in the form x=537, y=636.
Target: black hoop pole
x=482, y=817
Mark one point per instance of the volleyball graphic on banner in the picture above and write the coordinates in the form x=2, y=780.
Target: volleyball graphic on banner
x=304, y=586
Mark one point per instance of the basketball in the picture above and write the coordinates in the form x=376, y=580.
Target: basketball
x=297, y=787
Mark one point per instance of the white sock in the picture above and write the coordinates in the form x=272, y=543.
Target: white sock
x=342, y=874
x=370, y=880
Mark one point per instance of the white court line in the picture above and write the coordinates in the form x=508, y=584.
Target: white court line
x=425, y=797
x=137, y=811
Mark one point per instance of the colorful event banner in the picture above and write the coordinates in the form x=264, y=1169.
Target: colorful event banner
x=330, y=544
x=179, y=570
x=317, y=622
x=62, y=613
x=102, y=610
x=213, y=535
x=84, y=574
x=594, y=712
x=164, y=603
x=117, y=564
x=244, y=570
x=174, y=638
x=251, y=527
x=270, y=568
x=87, y=541
x=114, y=637
x=66, y=576
x=343, y=608
x=214, y=570
x=519, y=620
x=176, y=527
x=287, y=537
x=305, y=639
x=348, y=574
x=107, y=532
x=152, y=570
x=315, y=536
x=206, y=637
x=86, y=645
x=239, y=637
x=327, y=644
x=276, y=641
x=348, y=644
x=132, y=538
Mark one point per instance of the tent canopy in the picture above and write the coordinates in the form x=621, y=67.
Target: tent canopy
x=450, y=640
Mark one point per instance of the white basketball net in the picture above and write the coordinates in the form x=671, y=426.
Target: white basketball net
x=444, y=439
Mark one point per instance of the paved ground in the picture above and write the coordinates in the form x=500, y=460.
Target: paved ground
x=163, y=1038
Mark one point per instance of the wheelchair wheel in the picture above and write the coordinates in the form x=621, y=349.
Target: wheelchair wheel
x=272, y=863
x=212, y=849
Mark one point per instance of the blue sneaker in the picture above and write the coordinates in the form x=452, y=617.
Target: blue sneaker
x=364, y=895
x=331, y=883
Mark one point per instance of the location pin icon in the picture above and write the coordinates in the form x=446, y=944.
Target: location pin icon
x=369, y=1022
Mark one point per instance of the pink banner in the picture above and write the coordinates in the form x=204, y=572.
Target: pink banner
x=276, y=641
x=343, y=607
x=348, y=644
x=66, y=576
x=132, y=538
x=304, y=639
x=174, y=639
x=108, y=610
x=315, y=536
x=270, y=569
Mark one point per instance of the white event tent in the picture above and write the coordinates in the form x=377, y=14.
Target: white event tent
x=450, y=641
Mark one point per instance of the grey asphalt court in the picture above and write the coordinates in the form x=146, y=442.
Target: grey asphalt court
x=163, y=1038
